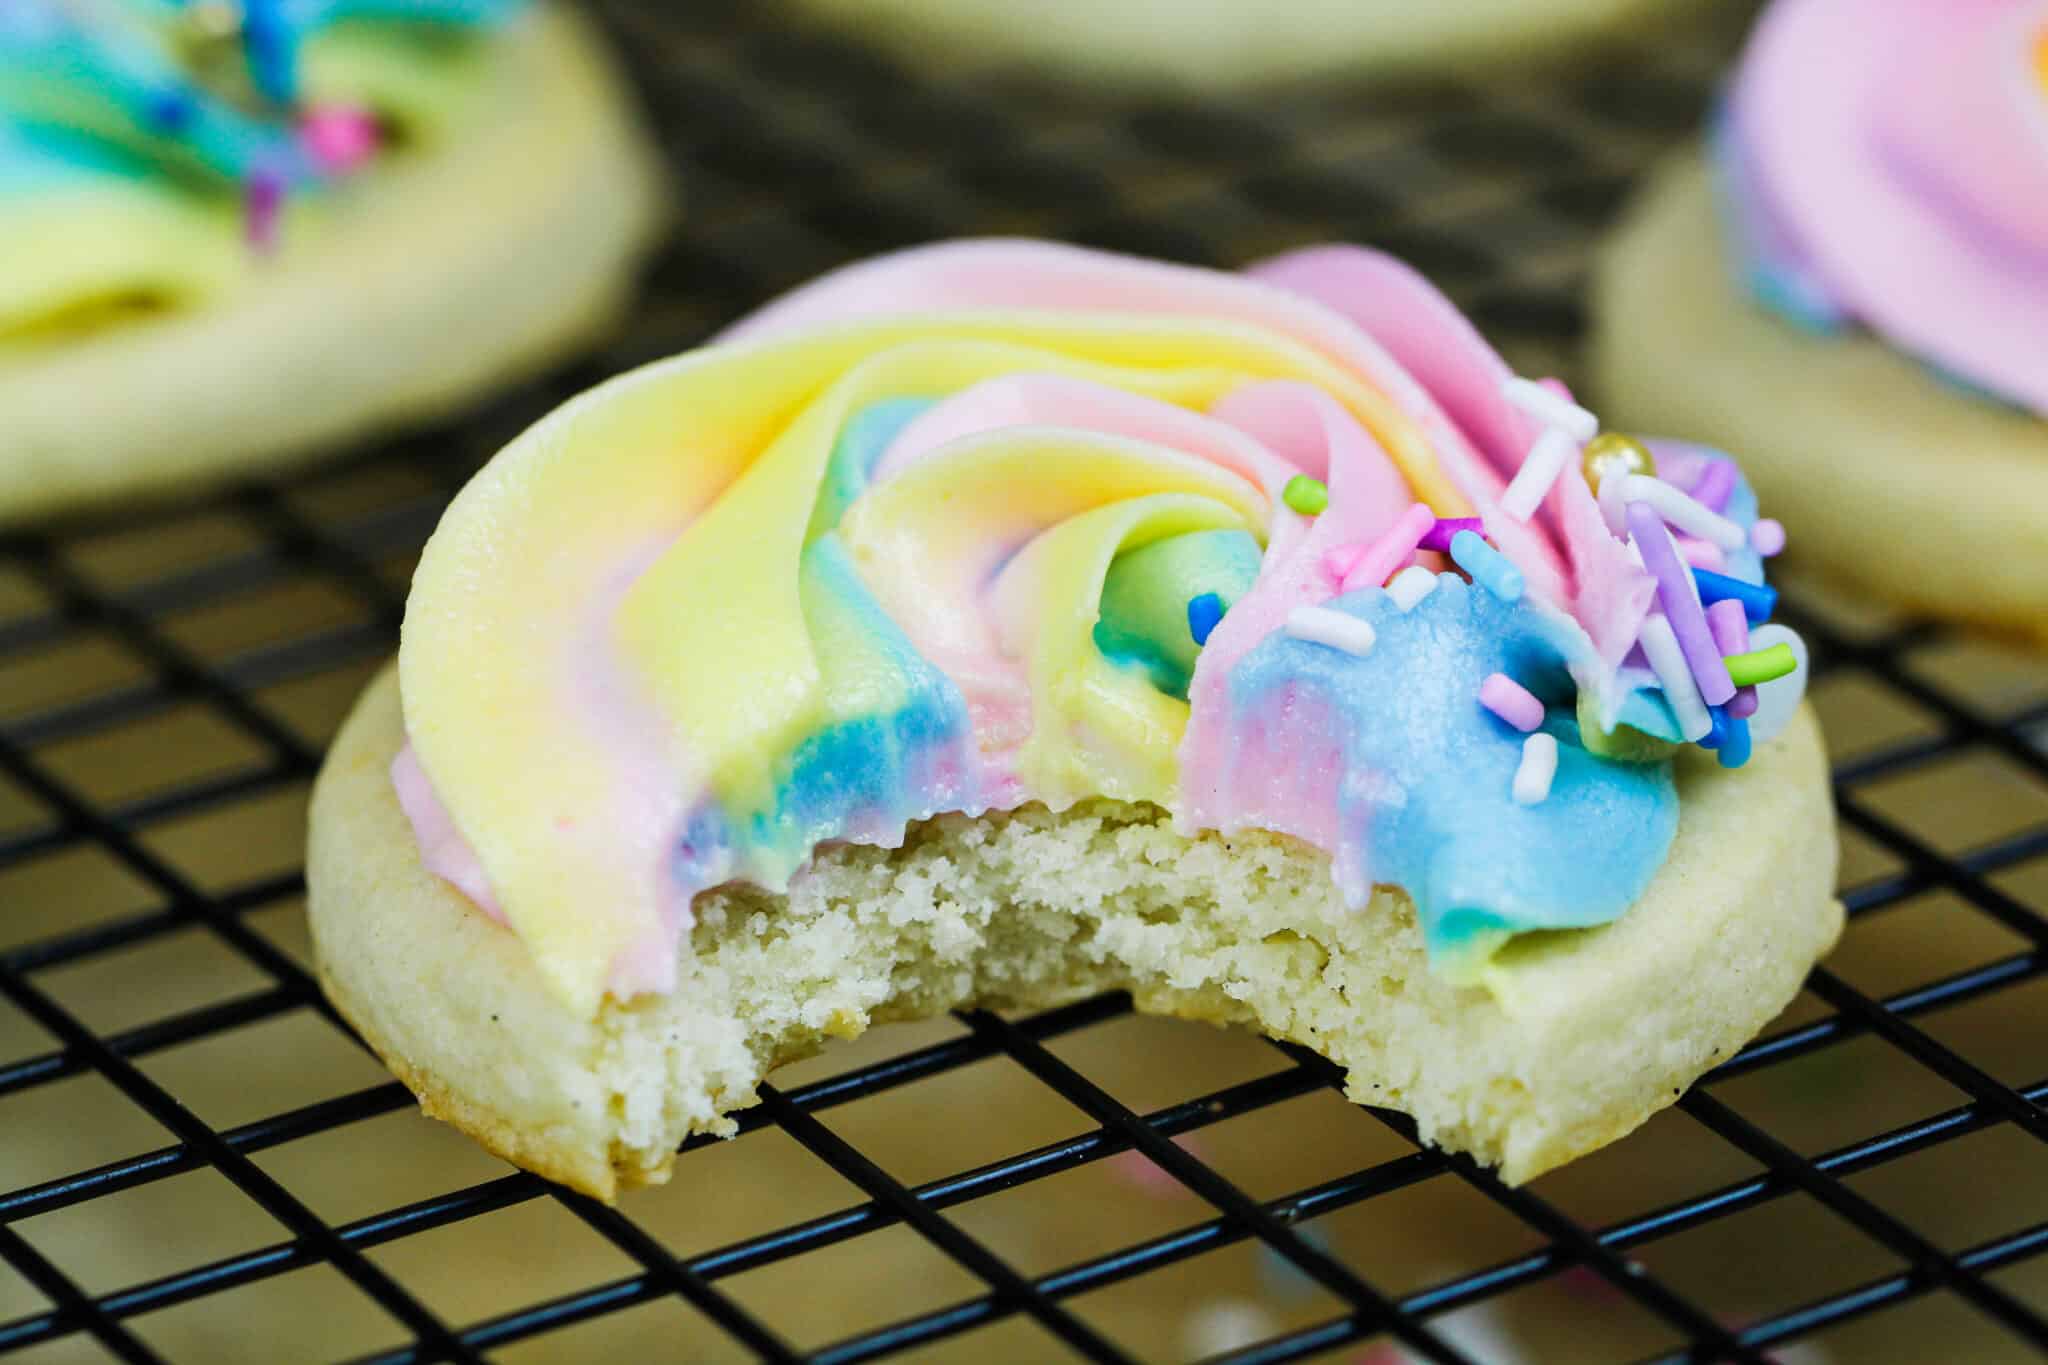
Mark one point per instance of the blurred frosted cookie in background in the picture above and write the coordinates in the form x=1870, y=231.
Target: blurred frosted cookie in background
x=237, y=231
x=1850, y=285
x=1214, y=43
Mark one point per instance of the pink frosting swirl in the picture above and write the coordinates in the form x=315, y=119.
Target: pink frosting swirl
x=1901, y=148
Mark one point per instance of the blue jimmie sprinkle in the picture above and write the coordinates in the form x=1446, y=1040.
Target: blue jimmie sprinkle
x=1489, y=568
x=1204, y=612
x=1758, y=601
x=173, y=111
x=1735, y=749
x=1719, y=720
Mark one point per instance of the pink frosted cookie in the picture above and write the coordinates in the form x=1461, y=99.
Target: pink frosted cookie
x=1851, y=287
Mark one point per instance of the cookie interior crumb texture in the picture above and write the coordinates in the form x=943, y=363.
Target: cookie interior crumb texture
x=1585, y=1035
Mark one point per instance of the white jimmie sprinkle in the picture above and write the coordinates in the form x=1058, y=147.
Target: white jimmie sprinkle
x=1684, y=512
x=1553, y=450
x=1660, y=646
x=1550, y=409
x=1410, y=586
x=1538, y=768
x=1322, y=626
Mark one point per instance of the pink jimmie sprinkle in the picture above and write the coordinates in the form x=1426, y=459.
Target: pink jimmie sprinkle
x=1767, y=537
x=1731, y=636
x=262, y=197
x=1512, y=702
x=1438, y=537
x=339, y=137
x=1730, y=626
x=1337, y=563
x=1391, y=550
x=1714, y=485
x=1675, y=592
x=1702, y=554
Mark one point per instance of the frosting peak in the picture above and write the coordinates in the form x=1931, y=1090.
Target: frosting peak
x=988, y=523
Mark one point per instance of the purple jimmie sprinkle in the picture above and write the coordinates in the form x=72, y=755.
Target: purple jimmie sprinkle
x=1674, y=591
x=262, y=198
x=1714, y=484
x=1438, y=537
x=1731, y=636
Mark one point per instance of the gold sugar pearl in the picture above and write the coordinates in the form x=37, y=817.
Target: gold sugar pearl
x=1611, y=455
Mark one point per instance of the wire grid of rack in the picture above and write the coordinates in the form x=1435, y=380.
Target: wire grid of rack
x=798, y=152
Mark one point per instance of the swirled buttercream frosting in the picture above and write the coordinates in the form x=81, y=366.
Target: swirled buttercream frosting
x=1885, y=165
x=146, y=146
x=997, y=522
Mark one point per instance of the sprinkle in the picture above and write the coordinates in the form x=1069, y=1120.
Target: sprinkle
x=1777, y=700
x=1681, y=606
x=1391, y=550
x=1762, y=665
x=339, y=137
x=1322, y=626
x=263, y=196
x=1682, y=512
x=1701, y=554
x=1613, y=507
x=1536, y=771
x=1489, y=568
x=1305, y=495
x=1731, y=636
x=1757, y=600
x=172, y=111
x=1553, y=450
x=1550, y=408
x=1714, y=484
x=1717, y=728
x=1767, y=537
x=1511, y=701
x=1438, y=537
x=1611, y=455
x=1661, y=647
x=1735, y=749
x=1204, y=612
x=1730, y=626
x=1410, y=586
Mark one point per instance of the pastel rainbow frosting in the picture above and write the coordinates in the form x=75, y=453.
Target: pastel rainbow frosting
x=996, y=522
x=1885, y=164
x=142, y=141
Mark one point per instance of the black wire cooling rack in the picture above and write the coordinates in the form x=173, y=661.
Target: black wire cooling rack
x=238, y=618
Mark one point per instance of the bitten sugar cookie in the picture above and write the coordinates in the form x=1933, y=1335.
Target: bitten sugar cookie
x=1204, y=44
x=1852, y=290
x=1007, y=622
x=228, y=238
